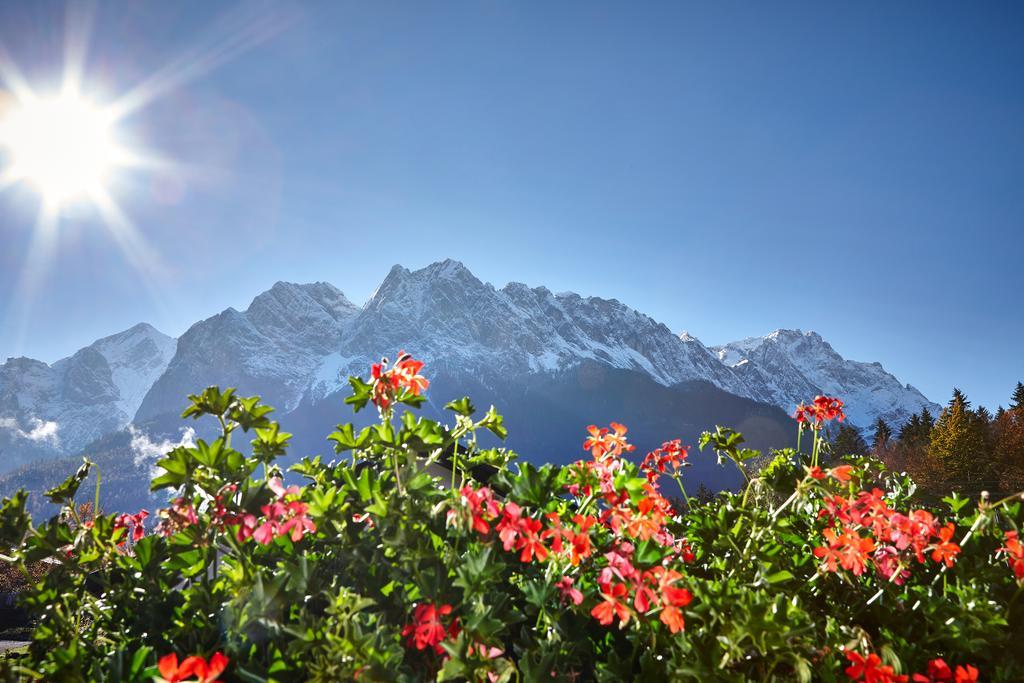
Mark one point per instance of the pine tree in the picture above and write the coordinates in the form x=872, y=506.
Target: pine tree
x=882, y=435
x=1000, y=411
x=926, y=417
x=959, y=397
x=1017, y=401
x=848, y=441
x=958, y=441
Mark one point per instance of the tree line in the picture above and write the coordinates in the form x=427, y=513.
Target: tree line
x=966, y=449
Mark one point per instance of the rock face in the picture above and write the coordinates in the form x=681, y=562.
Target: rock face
x=788, y=366
x=271, y=349
x=296, y=343
x=61, y=408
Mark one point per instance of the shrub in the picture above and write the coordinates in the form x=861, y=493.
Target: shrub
x=385, y=566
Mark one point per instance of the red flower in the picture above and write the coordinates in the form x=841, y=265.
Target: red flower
x=827, y=409
x=508, y=527
x=870, y=670
x=204, y=672
x=482, y=508
x=967, y=674
x=938, y=671
x=612, y=605
x=530, y=542
x=945, y=550
x=135, y=522
x=580, y=539
x=822, y=409
x=404, y=374
x=426, y=629
x=1014, y=551
x=671, y=454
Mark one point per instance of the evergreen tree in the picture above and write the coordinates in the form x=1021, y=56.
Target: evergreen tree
x=1017, y=401
x=882, y=435
x=1000, y=411
x=916, y=433
x=926, y=417
x=959, y=397
x=848, y=441
x=958, y=441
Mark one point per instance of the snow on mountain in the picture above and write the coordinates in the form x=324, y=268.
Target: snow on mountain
x=60, y=408
x=273, y=348
x=789, y=366
x=454, y=321
x=296, y=343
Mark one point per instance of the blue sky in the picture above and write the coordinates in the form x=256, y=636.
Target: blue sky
x=727, y=168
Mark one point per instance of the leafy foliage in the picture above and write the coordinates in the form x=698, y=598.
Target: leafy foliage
x=386, y=566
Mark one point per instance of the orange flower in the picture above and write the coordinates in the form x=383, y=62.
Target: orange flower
x=945, y=550
x=841, y=473
x=612, y=605
x=1014, y=551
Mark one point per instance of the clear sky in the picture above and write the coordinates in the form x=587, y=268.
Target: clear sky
x=726, y=168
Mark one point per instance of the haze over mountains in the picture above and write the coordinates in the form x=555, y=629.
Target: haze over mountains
x=552, y=362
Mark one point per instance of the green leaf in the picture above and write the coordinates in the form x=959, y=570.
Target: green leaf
x=779, y=576
x=65, y=492
x=462, y=406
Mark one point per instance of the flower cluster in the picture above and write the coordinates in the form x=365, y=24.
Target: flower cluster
x=133, y=524
x=671, y=456
x=426, y=628
x=1014, y=551
x=180, y=515
x=195, y=667
x=869, y=668
x=404, y=375
x=601, y=544
x=862, y=530
x=821, y=410
x=284, y=516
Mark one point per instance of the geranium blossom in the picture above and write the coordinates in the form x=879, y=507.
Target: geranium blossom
x=133, y=522
x=612, y=605
x=403, y=375
x=202, y=670
x=427, y=629
x=1013, y=549
x=870, y=669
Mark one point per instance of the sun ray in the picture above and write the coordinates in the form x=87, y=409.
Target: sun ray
x=237, y=32
x=139, y=255
x=35, y=265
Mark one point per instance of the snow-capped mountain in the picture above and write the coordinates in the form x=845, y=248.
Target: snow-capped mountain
x=789, y=366
x=273, y=348
x=60, y=408
x=296, y=343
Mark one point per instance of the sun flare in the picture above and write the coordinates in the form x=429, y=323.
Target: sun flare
x=64, y=146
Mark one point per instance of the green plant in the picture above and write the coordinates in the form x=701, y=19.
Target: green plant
x=379, y=569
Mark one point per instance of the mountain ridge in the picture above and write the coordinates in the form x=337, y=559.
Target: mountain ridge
x=296, y=343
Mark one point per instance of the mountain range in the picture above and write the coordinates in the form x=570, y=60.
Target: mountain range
x=540, y=357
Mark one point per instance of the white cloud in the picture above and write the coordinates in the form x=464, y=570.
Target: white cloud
x=38, y=430
x=147, y=449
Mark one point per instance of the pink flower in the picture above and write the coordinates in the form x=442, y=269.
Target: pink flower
x=569, y=594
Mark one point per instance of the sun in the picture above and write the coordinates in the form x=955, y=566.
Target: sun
x=64, y=146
